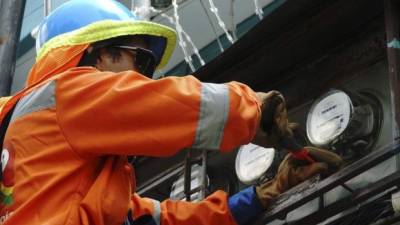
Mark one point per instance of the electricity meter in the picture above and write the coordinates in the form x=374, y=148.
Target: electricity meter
x=329, y=117
x=252, y=162
x=346, y=120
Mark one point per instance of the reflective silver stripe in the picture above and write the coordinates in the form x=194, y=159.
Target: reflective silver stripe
x=214, y=110
x=157, y=211
x=39, y=99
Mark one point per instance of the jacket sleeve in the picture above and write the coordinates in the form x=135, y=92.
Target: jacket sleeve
x=126, y=113
x=213, y=210
x=217, y=209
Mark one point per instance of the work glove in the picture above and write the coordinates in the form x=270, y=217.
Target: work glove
x=274, y=122
x=292, y=171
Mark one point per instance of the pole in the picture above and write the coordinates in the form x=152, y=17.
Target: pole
x=47, y=7
x=11, y=13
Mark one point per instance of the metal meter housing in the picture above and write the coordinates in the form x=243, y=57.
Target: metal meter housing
x=345, y=121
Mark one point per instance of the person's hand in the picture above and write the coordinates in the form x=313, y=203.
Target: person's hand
x=334, y=161
x=274, y=122
x=290, y=173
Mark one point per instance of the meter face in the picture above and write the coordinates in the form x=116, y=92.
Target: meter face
x=252, y=161
x=329, y=117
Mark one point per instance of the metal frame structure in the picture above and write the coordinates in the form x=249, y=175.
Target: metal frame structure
x=392, y=16
x=189, y=161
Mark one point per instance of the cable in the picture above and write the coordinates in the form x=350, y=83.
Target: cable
x=259, y=11
x=173, y=22
x=233, y=25
x=220, y=21
x=212, y=26
x=182, y=42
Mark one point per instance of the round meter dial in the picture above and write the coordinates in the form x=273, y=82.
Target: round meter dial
x=252, y=161
x=328, y=117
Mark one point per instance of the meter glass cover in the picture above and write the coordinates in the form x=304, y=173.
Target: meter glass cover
x=252, y=161
x=328, y=117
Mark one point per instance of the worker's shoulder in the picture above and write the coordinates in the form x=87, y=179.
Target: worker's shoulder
x=85, y=73
x=92, y=77
x=77, y=73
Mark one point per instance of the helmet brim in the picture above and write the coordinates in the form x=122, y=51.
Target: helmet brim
x=162, y=38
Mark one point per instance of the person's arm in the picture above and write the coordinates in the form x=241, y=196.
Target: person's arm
x=214, y=210
x=129, y=114
x=218, y=208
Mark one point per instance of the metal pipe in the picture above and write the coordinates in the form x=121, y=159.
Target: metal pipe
x=393, y=53
x=187, y=180
x=159, y=180
x=11, y=13
x=47, y=7
x=203, y=192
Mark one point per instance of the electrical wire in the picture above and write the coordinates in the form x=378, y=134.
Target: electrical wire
x=212, y=26
x=188, y=38
x=182, y=42
x=221, y=23
x=258, y=10
x=233, y=25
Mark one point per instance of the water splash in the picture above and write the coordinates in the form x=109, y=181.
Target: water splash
x=258, y=9
x=221, y=23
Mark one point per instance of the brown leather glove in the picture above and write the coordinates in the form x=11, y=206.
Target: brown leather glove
x=334, y=161
x=274, y=122
x=290, y=173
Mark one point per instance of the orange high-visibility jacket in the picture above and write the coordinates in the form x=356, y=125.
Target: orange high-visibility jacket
x=64, y=155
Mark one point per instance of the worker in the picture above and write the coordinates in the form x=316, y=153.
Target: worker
x=90, y=102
